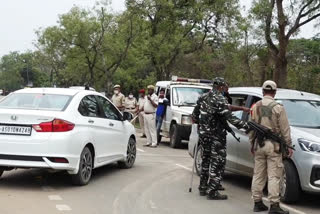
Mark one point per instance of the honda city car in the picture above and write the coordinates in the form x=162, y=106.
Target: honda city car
x=64, y=129
x=302, y=170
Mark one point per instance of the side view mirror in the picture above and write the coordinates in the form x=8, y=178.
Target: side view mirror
x=127, y=116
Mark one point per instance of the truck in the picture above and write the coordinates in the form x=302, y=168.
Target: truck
x=182, y=94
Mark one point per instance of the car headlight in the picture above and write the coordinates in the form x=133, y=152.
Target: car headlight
x=309, y=146
x=186, y=120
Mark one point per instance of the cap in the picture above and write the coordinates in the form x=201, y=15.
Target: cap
x=116, y=86
x=269, y=85
x=219, y=81
x=142, y=91
x=150, y=87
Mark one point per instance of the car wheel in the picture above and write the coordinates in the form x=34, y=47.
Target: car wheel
x=290, y=188
x=175, y=140
x=85, y=168
x=131, y=155
x=1, y=172
x=198, y=160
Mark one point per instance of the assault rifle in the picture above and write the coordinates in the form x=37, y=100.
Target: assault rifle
x=263, y=133
x=225, y=125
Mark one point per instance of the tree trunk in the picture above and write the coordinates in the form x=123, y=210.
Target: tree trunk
x=281, y=73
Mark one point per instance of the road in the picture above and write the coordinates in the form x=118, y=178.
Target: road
x=157, y=184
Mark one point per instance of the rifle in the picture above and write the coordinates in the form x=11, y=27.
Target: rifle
x=263, y=133
x=226, y=126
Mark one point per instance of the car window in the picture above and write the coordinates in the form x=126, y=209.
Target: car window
x=238, y=100
x=109, y=110
x=89, y=107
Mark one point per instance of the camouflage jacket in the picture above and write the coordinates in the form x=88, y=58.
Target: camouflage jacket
x=211, y=109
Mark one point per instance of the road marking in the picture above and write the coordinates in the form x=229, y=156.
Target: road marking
x=287, y=207
x=140, y=150
x=47, y=188
x=184, y=167
x=55, y=198
x=63, y=207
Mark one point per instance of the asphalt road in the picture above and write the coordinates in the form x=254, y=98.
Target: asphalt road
x=157, y=184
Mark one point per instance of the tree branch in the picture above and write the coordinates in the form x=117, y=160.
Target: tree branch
x=268, y=28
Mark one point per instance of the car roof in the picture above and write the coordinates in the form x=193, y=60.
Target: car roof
x=58, y=91
x=281, y=93
x=165, y=84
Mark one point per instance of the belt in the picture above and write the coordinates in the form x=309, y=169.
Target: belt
x=130, y=108
x=149, y=112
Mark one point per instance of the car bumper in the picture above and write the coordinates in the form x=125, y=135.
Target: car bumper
x=308, y=166
x=184, y=131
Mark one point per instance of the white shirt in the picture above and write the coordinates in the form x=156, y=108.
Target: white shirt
x=141, y=102
x=148, y=107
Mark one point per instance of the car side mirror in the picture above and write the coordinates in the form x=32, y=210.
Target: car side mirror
x=127, y=116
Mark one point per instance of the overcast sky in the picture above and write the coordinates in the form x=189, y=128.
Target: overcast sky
x=20, y=18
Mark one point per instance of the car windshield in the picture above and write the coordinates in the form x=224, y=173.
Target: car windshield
x=302, y=113
x=187, y=96
x=51, y=102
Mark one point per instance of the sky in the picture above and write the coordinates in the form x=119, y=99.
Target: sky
x=19, y=19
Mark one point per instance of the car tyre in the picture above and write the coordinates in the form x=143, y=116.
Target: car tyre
x=175, y=140
x=290, y=188
x=85, y=168
x=198, y=160
x=1, y=171
x=131, y=155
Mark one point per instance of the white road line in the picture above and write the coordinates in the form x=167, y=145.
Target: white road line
x=47, y=188
x=184, y=167
x=140, y=150
x=286, y=207
x=63, y=207
x=55, y=198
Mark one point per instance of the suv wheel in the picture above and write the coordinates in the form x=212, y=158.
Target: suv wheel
x=290, y=188
x=1, y=171
x=175, y=140
x=198, y=159
x=85, y=168
x=131, y=155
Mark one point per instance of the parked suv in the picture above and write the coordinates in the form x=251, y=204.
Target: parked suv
x=302, y=171
x=182, y=94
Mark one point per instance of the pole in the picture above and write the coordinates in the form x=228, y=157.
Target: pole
x=194, y=164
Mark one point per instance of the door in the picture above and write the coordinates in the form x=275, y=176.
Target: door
x=168, y=116
x=115, y=139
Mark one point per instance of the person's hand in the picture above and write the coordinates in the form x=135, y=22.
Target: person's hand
x=149, y=97
x=245, y=109
x=290, y=153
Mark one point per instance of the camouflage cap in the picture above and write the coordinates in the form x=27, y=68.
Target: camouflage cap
x=219, y=81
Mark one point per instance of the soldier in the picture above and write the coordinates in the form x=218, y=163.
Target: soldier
x=268, y=160
x=118, y=98
x=211, y=111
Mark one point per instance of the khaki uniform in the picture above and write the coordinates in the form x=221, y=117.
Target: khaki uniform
x=141, y=114
x=150, y=120
x=130, y=105
x=118, y=100
x=268, y=162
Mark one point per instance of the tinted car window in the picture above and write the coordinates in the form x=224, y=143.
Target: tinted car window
x=109, y=110
x=238, y=100
x=89, y=107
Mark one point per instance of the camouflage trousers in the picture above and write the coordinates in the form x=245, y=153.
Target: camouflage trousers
x=213, y=163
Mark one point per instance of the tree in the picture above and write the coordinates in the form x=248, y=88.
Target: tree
x=275, y=17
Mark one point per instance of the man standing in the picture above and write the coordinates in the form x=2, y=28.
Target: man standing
x=161, y=111
x=130, y=104
x=211, y=113
x=268, y=159
x=150, y=107
x=118, y=98
x=141, y=102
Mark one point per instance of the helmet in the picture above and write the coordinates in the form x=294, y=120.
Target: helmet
x=219, y=81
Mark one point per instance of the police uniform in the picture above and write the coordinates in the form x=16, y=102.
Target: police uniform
x=141, y=102
x=150, y=119
x=268, y=165
x=211, y=111
x=130, y=105
x=118, y=99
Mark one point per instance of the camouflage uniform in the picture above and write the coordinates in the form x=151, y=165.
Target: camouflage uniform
x=211, y=109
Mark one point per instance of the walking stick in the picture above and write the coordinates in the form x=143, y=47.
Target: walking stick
x=194, y=164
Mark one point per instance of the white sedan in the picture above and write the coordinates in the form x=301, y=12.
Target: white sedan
x=64, y=129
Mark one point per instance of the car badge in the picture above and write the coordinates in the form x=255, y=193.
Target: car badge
x=14, y=117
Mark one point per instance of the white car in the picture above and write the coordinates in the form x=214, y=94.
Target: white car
x=64, y=129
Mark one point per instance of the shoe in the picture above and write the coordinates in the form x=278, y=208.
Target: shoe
x=259, y=207
x=276, y=209
x=203, y=192
x=221, y=188
x=147, y=145
x=216, y=196
x=143, y=136
x=153, y=146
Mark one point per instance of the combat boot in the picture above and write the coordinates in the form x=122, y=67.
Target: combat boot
x=221, y=188
x=202, y=191
x=259, y=207
x=216, y=196
x=276, y=209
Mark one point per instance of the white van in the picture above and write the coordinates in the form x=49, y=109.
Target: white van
x=183, y=95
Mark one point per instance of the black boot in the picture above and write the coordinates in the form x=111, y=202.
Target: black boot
x=259, y=207
x=216, y=196
x=221, y=188
x=202, y=191
x=276, y=209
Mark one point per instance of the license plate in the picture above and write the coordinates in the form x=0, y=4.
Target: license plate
x=15, y=130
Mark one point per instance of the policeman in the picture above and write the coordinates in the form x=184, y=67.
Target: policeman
x=118, y=98
x=140, y=112
x=268, y=160
x=211, y=112
x=130, y=104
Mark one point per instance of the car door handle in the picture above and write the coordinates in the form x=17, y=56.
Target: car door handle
x=91, y=121
x=111, y=124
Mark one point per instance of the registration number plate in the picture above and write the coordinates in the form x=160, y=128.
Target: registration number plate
x=15, y=130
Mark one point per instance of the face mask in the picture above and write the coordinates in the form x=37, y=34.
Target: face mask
x=130, y=96
x=116, y=91
x=161, y=96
